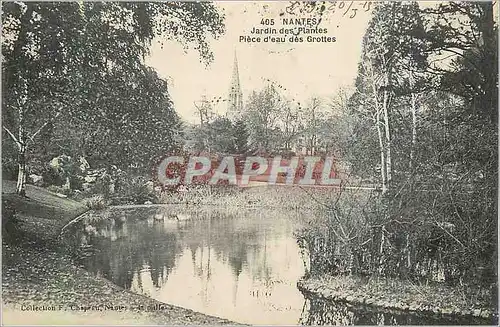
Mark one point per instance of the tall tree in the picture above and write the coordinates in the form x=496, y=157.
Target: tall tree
x=216, y=136
x=313, y=116
x=262, y=116
x=436, y=69
x=241, y=137
x=60, y=58
x=465, y=58
x=391, y=56
x=290, y=123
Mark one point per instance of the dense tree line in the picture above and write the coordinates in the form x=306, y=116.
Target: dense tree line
x=422, y=123
x=272, y=123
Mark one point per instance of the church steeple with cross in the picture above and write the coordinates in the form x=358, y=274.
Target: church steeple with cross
x=235, y=98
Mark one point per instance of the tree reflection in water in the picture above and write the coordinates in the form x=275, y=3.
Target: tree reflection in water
x=242, y=265
x=126, y=249
x=318, y=311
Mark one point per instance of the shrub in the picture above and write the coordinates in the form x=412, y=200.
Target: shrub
x=96, y=202
x=51, y=176
x=134, y=190
x=100, y=186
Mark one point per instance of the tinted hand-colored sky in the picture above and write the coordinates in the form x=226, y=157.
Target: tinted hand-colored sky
x=304, y=69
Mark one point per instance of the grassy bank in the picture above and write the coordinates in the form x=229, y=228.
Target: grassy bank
x=38, y=276
x=403, y=295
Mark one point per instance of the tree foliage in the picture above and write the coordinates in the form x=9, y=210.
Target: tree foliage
x=424, y=122
x=262, y=114
x=83, y=64
x=218, y=136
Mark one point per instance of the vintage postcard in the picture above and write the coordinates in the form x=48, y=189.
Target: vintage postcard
x=250, y=162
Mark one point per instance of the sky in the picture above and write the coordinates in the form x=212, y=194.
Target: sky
x=304, y=69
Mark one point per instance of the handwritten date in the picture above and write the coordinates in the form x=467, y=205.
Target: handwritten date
x=346, y=8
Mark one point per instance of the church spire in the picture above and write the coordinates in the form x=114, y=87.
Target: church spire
x=235, y=106
x=236, y=75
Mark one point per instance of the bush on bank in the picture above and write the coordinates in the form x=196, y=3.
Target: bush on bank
x=368, y=235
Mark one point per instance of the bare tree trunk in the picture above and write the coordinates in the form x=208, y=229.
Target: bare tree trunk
x=413, y=125
x=21, y=146
x=22, y=88
x=21, y=174
x=384, y=171
x=383, y=165
x=21, y=143
x=387, y=129
x=21, y=85
x=382, y=153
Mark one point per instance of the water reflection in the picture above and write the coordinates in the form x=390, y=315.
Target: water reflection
x=323, y=312
x=242, y=266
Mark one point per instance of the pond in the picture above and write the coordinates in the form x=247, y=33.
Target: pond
x=242, y=265
x=325, y=312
